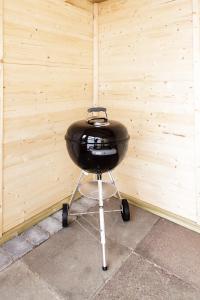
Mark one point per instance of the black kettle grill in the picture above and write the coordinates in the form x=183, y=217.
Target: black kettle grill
x=97, y=145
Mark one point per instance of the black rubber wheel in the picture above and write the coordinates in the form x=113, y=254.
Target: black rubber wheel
x=125, y=211
x=65, y=211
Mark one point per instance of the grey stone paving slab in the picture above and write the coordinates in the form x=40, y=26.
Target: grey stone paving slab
x=35, y=235
x=175, y=248
x=71, y=262
x=58, y=215
x=126, y=233
x=77, y=207
x=138, y=279
x=83, y=204
x=88, y=203
x=17, y=247
x=51, y=225
x=5, y=260
x=19, y=283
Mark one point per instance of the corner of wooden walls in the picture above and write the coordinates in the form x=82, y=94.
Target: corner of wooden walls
x=196, y=78
x=95, y=54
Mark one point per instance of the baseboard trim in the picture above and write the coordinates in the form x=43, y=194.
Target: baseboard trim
x=163, y=213
x=32, y=221
x=139, y=203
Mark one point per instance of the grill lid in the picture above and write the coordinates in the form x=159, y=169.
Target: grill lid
x=97, y=130
x=85, y=133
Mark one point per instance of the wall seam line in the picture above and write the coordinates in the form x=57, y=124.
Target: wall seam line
x=196, y=80
x=95, y=55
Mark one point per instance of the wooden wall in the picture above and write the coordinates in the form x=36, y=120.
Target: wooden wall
x=146, y=80
x=196, y=77
x=1, y=113
x=145, y=70
x=48, y=48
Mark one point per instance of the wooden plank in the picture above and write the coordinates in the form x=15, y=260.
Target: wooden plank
x=95, y=56
x=97, y=1
x=83, y=4
x=14, y=231
x=196, y=66
x=146, y=82
x=163, y=213
x=1, y=114
x=48, y=75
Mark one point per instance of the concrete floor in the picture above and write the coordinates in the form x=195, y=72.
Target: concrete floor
x=148, y=258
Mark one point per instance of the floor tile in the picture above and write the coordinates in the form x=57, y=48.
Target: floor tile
x=87, y=202
x=138, y=279
x=58, y=215
x=17, y=247
x=19, y=283
x=129, y=233
x=5, y=260
x=174, y=248
x=50, y=225
x=82, y=205
x=35, y=235
x=71, y=262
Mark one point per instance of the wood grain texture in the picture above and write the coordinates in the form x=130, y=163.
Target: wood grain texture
x=149, y=64
x=34, y=220
x=84, y=4
x=196, y=66
x=146, y=82
x=95, y=55
x=1, y=115
x=97, y=1
x=48, y=73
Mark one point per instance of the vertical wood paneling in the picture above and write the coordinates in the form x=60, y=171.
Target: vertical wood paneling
x=196, y=66
x=1, y=113
x=95, y=55
x=146, y=82
x=48, y=73
x=140, y=59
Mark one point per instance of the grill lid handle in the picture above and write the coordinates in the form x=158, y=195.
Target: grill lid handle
x=96, y=109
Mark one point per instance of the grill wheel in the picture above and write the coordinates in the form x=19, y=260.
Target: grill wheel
x=125, y=210
x=65, y=212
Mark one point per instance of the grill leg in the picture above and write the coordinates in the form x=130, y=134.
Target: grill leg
x=83, y=173
x=102, y=224
x=113, y=182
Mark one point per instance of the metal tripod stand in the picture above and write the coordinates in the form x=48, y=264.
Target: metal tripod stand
x=97, y=190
